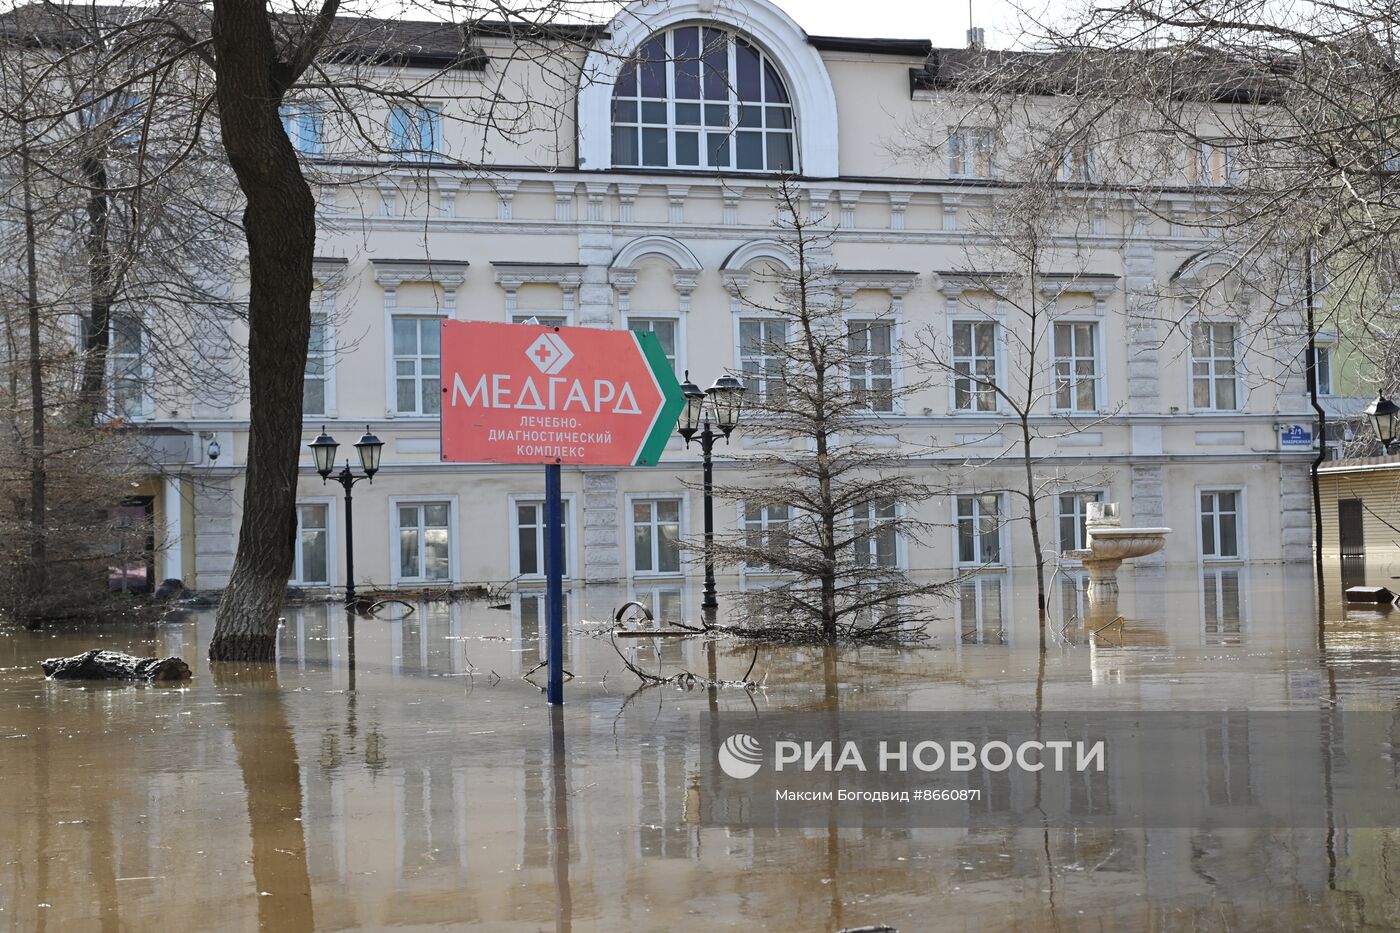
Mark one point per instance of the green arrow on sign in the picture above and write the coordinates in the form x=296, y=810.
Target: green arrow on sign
x=670, y=389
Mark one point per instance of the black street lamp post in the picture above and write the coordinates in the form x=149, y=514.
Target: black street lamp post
x=323, y=450
x=721, y=404
x=1385, y=419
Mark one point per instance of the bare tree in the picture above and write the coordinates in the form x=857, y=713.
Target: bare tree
x=824, y=502
x=1022, y=267
x=238, y=64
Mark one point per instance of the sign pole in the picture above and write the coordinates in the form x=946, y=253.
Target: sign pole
x=554, y=585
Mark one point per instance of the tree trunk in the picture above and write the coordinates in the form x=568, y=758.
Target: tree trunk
x=280, y=225
x=38, y=475
x=1032, y=502
x=96, y=340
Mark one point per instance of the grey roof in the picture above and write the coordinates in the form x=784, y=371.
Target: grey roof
x=1196, y=75
x=415, y=43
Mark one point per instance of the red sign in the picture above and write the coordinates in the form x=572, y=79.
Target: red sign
x=524, y=393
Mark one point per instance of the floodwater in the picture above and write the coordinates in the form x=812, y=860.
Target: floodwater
x=406, y=777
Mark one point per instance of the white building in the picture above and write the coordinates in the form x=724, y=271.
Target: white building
x=637, y=217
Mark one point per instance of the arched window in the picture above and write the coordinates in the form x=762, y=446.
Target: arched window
x=702, y=97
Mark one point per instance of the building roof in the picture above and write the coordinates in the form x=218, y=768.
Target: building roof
x=1217, y=78
x=910, y=48
x=1361, y=464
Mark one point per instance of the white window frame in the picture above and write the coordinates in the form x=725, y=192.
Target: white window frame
x=682, y=358
x=901, y=557
x=1241, y=519
x=1096, y=379
x=418, y=153
x=1077, y=162
x=977, y=562
x=896, y=403
x=391, y=368
x=747, y=570
x=294, y=120
x=629, y=500
x=1211, y=363
x=1205, y=170
x=326, y=308
x=1327, y=346
x=454, y=553
x=731, y=102
x=998, y=360
x=565, y=318
x=963, y=144
x=570, y=535
x=1100, y=491
x=142, y=357
x=332, y=553
x=759, y=384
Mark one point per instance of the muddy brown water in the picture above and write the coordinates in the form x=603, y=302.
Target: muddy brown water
x=411, y=780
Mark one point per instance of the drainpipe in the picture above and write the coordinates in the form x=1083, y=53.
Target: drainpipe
x=1321, y=429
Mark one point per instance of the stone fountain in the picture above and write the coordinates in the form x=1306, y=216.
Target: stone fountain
x=1110, y=545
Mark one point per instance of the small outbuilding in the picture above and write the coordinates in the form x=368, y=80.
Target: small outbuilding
x=1361, y=509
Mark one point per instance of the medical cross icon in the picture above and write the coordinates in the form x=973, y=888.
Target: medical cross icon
x=549, y=353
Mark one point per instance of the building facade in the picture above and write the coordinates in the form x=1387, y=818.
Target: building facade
x=650, y=208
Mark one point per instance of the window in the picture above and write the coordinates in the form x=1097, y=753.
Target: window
x=876, y=540
x=125, y=354
x=313, y=544
x=305, y=126
x=701, y=97
x=530, y=537
x=760, y=356
x=415, y=131
x=766, y=529
x=544, y=320
x=665, y=331
x=1216, y=165
x=1072, y=508
x=425, y=540
x=871, y=363
x=974, y=365
x=979, y=529
x=970, y=154
x=1220, y=524
x=1322, y=367
x=316, y=381
x=125, y=111
x=1077, y=162
x=656, y=536
x=1213, y=383
x=1076, y=366
x=417, y=365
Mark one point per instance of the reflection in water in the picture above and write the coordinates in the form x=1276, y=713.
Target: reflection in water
x=1222, y=606
x=436, y=796
x=982, y=609
x=267, y=759
x=560, y=850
